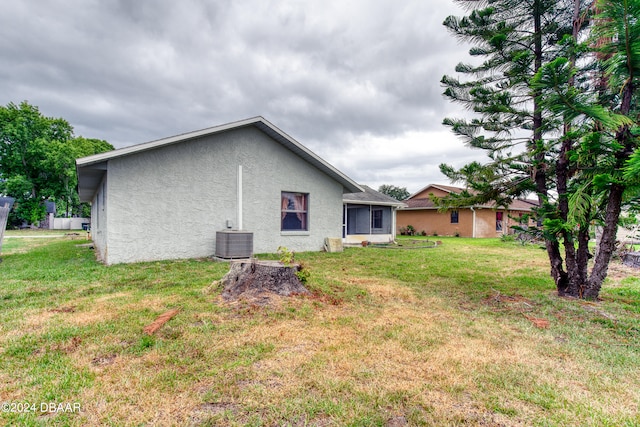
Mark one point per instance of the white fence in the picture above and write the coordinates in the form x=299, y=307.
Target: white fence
x=4, y=214
x=68, y=223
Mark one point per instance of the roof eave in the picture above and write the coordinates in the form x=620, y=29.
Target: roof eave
x=373, y=202
x=145, y=146
x=349, y=186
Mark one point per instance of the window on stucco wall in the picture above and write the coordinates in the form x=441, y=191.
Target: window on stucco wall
x=294, y=211
x=498, y=221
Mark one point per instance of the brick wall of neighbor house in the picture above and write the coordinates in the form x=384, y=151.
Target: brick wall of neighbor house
x=486, y=223
x=422, y=215
x=170, y=201
x=432, y=221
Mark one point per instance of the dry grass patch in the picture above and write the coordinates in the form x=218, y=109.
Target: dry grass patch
x=409, y=357
x=386, y=338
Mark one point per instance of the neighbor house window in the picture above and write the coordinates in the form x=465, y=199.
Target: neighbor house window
x=454, y=217
x=376, y=218
x=294, y=211
x=498, y=221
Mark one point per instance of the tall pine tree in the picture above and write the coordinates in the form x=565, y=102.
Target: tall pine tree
x=602, y=117
x=533, y=55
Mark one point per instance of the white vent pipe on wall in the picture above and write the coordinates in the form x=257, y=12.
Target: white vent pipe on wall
x=240, y=197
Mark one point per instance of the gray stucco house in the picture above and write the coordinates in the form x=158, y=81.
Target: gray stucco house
x=168, y=199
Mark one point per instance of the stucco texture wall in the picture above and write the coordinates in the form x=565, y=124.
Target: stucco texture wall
x=99, y=221
x=168, y=203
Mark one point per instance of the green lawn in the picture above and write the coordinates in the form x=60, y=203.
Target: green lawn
x=467, y=333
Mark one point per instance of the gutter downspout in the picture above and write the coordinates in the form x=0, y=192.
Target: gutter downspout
x=473, y=224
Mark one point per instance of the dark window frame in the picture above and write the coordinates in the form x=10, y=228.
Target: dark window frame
x=499, y=218
x=294, y=211
x=455, y=217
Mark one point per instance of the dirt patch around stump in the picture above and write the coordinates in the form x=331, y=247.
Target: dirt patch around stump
x=261, y=282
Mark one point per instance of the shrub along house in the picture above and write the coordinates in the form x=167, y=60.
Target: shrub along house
x=181, y=197
x=369, y=216
x=473, y=221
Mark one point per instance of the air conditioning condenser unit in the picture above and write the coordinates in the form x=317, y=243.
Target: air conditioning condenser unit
x=234, y=244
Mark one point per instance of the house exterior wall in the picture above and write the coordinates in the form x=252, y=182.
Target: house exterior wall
x=168, y=202
x=433, y=222
x=486, y=223
x=99, y=221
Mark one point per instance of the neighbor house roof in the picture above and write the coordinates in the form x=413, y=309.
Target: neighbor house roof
x=446, y=188
x=371, y=197
x=427, y=203
x=91, y=169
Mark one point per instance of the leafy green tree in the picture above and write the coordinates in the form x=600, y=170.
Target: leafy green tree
x=546, y=125
x=398, y=193
x=61, y=163
x=37, y=160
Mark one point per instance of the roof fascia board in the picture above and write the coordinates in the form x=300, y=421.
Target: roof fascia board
x=441, y=188
x=372, y=203
x=120, y=152
x=419, y=209
x=349, y=186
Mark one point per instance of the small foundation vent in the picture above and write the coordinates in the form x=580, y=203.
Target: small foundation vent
x=234, y=244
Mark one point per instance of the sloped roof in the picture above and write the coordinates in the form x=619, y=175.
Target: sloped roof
x=446, y=188
x=91, y=169
x=371, y=197
x=426, y=203
x=420, y=204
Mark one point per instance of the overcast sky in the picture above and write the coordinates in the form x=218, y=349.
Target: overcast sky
x=356, y=81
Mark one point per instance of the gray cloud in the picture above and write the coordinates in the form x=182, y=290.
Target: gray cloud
x=334, y=75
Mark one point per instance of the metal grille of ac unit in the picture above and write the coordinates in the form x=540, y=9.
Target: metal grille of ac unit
x=232, y=244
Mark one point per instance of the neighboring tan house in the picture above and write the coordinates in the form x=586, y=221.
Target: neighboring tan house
x=173, y=198
x=473, y=221
x=369, y=216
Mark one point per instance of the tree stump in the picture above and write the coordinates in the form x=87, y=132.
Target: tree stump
x=259, y=280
